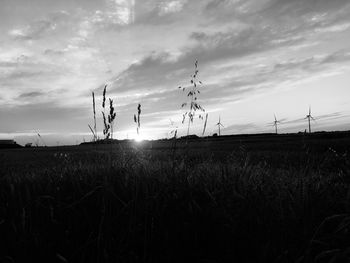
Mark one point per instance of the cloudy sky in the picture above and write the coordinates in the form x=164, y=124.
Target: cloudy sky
x=256, y=58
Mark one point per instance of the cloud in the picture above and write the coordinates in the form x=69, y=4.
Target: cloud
x=33, y=31
x=171, y=7
x=121, y=11
x=46, y=117
x=13, y=61
x=320, y=122
x=116, y=14
x=209, y=48
x=33, y=94
x=330, y=116
x=222, y=86
x=168, y=73
x=40, y=27
x=23, y=74
x=323, y=117
x=52, y=52
x=26, y=68
x=121, y=14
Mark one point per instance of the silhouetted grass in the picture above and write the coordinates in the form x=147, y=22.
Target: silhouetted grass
x=135, y=205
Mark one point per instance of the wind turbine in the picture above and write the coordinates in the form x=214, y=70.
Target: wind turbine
x=309, y=117
x=174, y=130
x=205, y=124
x=219, y=124
x=275, y=123
x=42, y=139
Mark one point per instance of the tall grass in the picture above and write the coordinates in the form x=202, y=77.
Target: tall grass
x=94, y=112
x=111, y=116
x=108, y=122
x=137, y=119
x=192, y=94
x=142, y=208
x=106, y=125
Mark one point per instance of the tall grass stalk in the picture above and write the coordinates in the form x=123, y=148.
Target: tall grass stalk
x=94, y=111
x=193, y=95
x=109, y=120
x=111, y=116
x=137, y=119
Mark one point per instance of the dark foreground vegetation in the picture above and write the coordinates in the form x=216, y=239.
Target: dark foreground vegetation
x=249, y=199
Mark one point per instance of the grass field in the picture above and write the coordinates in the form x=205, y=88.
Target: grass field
x=257, y=198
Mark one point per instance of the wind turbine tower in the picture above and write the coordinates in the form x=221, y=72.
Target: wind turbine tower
x=309, y=117
x=275, y=123
x=219, y=124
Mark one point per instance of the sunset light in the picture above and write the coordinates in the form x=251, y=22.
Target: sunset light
x=175, y=131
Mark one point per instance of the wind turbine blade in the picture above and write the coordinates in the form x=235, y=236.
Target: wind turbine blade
x=42, y=140
x=275, y=117
x=309, y=110
x=205, y=124
x=92, y=131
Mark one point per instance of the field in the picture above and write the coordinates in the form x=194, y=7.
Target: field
x=247, y=198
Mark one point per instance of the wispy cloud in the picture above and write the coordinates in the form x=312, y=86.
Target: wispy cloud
x=30, y=95
x=39, y=28
x=146, y=49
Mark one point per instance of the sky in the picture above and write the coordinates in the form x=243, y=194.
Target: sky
x=256, y=58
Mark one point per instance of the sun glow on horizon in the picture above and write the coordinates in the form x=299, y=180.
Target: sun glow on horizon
x=139, y=139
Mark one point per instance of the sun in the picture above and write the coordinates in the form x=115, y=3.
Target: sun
x=138, y=138
x=142, y=136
